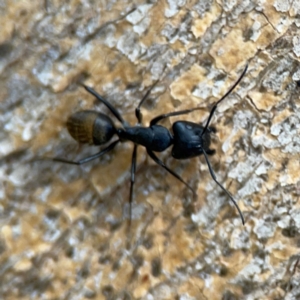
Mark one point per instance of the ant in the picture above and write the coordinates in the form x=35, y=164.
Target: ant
x=188, y=139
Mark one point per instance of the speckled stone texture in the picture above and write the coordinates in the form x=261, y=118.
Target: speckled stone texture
x=64, y=229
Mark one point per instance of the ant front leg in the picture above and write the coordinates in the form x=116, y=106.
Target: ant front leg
x=159, y=162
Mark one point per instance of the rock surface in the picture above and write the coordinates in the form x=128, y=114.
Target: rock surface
x=64, y=229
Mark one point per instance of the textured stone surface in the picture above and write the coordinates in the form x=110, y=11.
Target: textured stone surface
x=64, y=231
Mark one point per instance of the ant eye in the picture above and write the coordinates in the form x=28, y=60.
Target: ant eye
x=213, y=129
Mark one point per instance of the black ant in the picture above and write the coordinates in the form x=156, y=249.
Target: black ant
x=188, y=139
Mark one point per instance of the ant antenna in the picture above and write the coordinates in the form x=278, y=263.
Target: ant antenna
x=217, y=103
x=212, y=173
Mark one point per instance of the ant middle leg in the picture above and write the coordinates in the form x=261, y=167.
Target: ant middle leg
x=138, y=113
x=138, y=109
x=132, y=180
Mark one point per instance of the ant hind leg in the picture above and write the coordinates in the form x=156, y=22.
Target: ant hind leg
x=86, y=159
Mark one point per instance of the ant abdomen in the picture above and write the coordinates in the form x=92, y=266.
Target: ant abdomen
x=90, y=127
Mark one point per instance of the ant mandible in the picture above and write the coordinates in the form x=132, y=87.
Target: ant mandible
x=188, y=139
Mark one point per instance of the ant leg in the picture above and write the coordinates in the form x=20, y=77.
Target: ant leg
x=159, y=162
x=105, y=102
x=132, y=179
x=221, y=186
x=138, y=109
x=172, y=114
x=87, y=159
